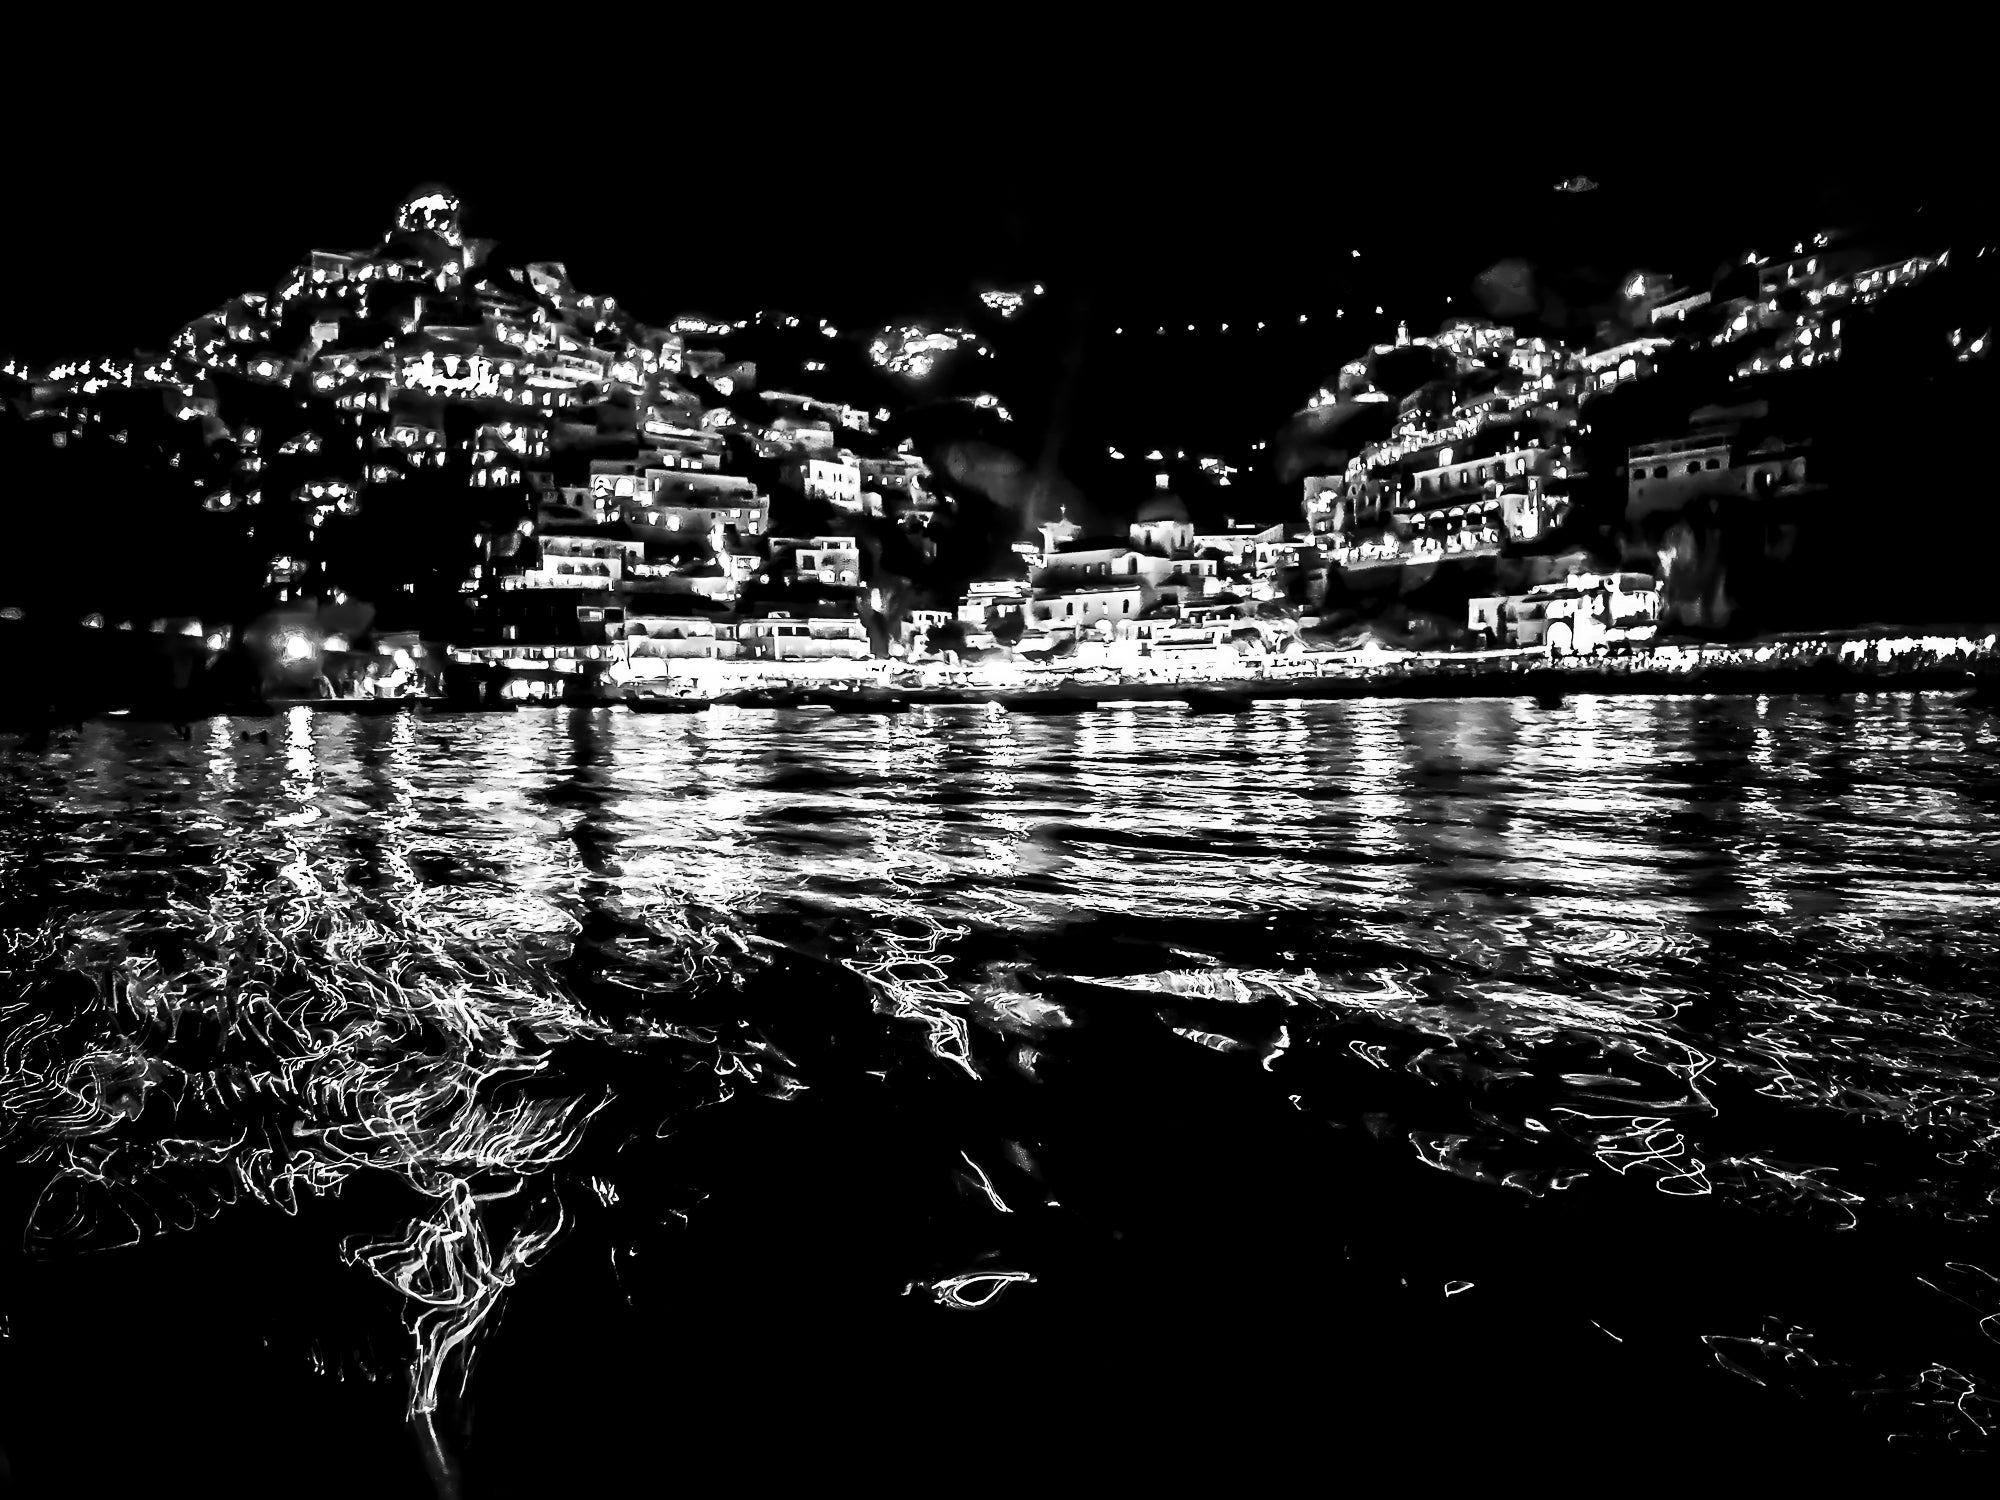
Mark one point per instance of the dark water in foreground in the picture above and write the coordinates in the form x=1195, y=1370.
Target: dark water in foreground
x=775, y=1094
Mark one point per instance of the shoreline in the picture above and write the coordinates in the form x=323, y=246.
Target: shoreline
x=1543, y=684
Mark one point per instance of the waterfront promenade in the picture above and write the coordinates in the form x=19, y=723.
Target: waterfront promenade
x=1818, y=666
x=1822, y=667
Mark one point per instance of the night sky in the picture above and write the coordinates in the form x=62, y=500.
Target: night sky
x=1187, y=225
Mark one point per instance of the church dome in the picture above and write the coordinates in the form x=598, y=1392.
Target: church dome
x=1163, y=507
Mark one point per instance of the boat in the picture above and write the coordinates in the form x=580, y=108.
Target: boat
x=1548, y=698
x=1215, y=701
x=664, y=703
x=1047, y=703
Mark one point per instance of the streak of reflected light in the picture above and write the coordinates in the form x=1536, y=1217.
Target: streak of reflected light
x=985, y=1184
x=975, y=1290
x=1379, y=886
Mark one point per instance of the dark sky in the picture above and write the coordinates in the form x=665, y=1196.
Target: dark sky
x=1245, y=210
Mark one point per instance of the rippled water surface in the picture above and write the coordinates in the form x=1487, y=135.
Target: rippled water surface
x=416, y=1103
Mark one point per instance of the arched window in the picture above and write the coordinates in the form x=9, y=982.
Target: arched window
x=1694, y=468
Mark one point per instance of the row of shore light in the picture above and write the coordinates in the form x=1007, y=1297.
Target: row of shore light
x=1339, y=312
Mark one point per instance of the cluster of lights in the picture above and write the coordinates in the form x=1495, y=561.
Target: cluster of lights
x=94, y=375
x=1801, y=344
x=992, y=403
x=912, y=352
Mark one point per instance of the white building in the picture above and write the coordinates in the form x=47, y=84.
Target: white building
x=697, y=502
x=828, y=559
x=578, y=562
x=1665, y=476
x=1172, y=635
x=1580, y=616
x=1098, y=562
x=835, y=478
x=1239, y=543
x=679, y=444
x=901, y=472
x=650, y=638
x=781, y=636
x=1080, y=605
x=987, y=599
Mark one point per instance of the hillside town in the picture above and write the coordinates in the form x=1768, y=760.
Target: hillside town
x=434, y=464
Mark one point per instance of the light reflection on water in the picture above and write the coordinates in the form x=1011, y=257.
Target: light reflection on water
x=1630, y=942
